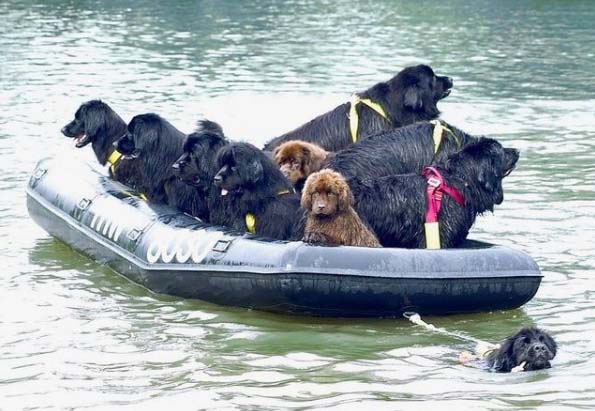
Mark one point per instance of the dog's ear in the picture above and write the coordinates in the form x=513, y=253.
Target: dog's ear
x=275, y=153
x=145, y=135
x=94, y=122
x=253, y=171
x=345, y=197
x=550, y=343
x=306, y=200
x=487, y=178
x=306, y=152
x=412, y=97
x=306, y=160
x=504, y=358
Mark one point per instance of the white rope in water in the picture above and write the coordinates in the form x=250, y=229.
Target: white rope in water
x=415, y=318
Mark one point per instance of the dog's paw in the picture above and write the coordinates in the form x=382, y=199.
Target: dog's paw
x=520, y=367
x=315, y=238
x=466, y=357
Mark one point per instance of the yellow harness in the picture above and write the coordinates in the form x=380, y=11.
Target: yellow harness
x=250, y=219
x=113, y=160
x=354, y=117
x=432, y=230
x=438, y=132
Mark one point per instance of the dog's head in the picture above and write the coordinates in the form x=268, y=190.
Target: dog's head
x=418, y=89
x=298, y=159
x=143, y=135
x=326, y=193
x=530, y=347
x=92, y=121
x=153, y=141
x=482, y=165
x=241, y=167
x=196, y=166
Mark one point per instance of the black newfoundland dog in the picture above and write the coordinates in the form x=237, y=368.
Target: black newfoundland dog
x=529, y=349
x=406, y=150
x=156, y=145
x=96, y=123
x=197, y=167
x=410, y=96
x=261, y=200
x=394, y=206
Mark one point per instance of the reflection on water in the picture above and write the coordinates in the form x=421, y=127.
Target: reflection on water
x=74, y=334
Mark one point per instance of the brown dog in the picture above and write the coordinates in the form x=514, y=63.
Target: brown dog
x=298, y=159
x=328, y=202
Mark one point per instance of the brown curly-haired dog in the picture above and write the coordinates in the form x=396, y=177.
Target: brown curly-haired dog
x=331, y=219
x=298, y=159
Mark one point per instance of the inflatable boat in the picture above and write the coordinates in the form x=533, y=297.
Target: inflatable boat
x=173, y=253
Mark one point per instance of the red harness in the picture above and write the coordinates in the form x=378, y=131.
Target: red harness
x=434, y=193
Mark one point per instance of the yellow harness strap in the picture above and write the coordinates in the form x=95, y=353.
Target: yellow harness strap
x=250, y=219
x=113, y=159
x=438, y=132
x=432, y=232
x=353, y=116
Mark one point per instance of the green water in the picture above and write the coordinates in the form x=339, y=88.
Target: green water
x=75, y=335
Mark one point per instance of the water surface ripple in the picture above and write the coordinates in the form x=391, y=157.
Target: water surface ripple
x=75, y=335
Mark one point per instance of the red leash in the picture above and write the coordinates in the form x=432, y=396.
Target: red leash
x=434, y=193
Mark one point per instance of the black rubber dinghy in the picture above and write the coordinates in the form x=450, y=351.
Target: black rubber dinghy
x=172, y=253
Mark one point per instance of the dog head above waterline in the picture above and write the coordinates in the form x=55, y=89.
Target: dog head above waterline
x=531, y=348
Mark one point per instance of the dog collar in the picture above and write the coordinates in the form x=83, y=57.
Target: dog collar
x=113, y=159
x=250, y=219
x=354, y=117
x=434, y=193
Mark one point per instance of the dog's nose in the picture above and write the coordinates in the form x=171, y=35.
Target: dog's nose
x=63, y=130
x=320, y=206
x=115, y=144
x=176, y=166
x=218, y=179
x=449, y=82
x=539, y=348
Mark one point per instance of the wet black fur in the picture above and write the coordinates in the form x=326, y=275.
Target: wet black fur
x=405, y=150
x=156, y=145
x=254, y=183
x=408, y=97
x=531, y=345
x=197, y=166
x=102, y=126
x=394, y=206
